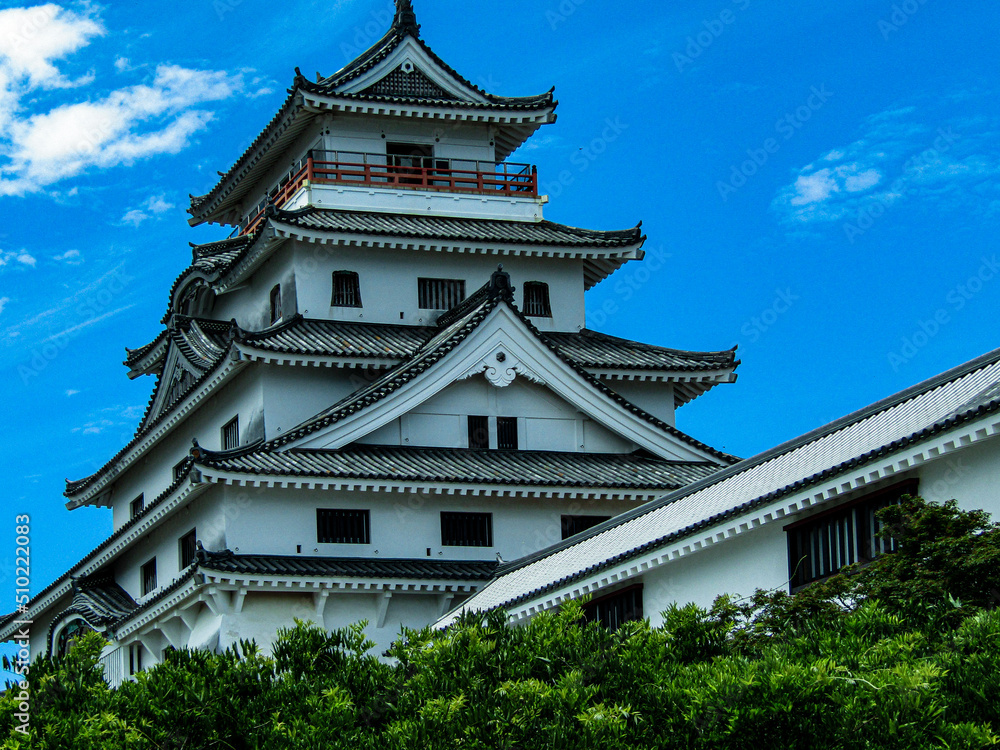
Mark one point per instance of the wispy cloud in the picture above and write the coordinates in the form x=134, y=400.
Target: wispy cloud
x=70, y=258
x=900, y=154
x=154, y=206
x=4, y=301
x=40, y=148
x=21, y=258
x=71, y=392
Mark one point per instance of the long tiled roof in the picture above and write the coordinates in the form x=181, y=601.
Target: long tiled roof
x=459, y=229
x=463, y=466
x=329, y=567
x=595, y=350
x=294, y=108
x=958, y=396
x=101, y=600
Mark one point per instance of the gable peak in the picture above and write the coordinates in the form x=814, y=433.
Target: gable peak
x=406, y=19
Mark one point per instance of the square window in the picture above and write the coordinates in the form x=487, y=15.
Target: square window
x=188, y=547
x=346, y=289
x=467, y=529
x=507, y=433
x=573, y=525
x=148, y=575
x=231, y=434
x=614, y=610
x=536, y=300
x=180, y=469
x=440, y=294
x=479, y=433
x=137, y=506
x=343, y=526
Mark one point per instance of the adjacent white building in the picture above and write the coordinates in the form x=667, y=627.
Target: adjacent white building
x=356, y=413
x=781, y=520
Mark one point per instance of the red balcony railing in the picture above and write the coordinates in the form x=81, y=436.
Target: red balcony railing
x=409, y=172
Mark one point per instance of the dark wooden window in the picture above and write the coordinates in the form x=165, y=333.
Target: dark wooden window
x=614, y=610
x=188, y=545
x=410, y=161
x=231, y=434
x=440, y=294
x=346, y=289
x=479, y=433
x=536, y=300
x=343, y=526
x=179, y=469
x=148, y=575
x=276, y=304
x=573, y=525
x=137, y=506
x=507, y=433
x=820, y=546
x=467, y=529
x=134, y=658
x=70, y=635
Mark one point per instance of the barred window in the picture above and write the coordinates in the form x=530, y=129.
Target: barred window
x=573, y=525
x=148, y=575
x=507, y=433
x=479, y=433
x=466, y=529
x=343, y=526
x=188, y=547
x=276, y=304
x=179, y=469
x=440, y=294
x=614, y=610
x=820, y=546
x=536, y=300
x=231, y=434
x=346, y=289
x=137, y=506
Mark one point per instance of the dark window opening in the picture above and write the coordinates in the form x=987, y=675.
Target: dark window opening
x=231, y=434
x=467, y=529
x=343, y=526
x=536, y=300
x=134, y=658
x=411, y=161
x=188, y=548
x=346, y=289
x=614, y=610
x=507, y=433
x=137, y=506
x=820, y=546
x=440, y=294
x=479, y=433
x=148, y=575
x=276, y=304
x=573, y=525
x=69, y=636
x=179, y=469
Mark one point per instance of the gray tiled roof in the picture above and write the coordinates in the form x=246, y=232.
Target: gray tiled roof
x=497, y=231
x=101, y=601
x=454, y=465
x=330, y=567
x=595, y=350
x=960, y=395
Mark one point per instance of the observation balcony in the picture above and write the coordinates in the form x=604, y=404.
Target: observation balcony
x=417, y=173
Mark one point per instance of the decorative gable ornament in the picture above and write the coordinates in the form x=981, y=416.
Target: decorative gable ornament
x=500, y=369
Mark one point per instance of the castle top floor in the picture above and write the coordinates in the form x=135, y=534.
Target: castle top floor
x=397, y=130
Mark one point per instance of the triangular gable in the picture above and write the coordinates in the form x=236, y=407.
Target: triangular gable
x=501, y=347
x=411, y=64
x=189, y=356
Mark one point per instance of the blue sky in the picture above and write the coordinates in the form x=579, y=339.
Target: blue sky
x=820, y=183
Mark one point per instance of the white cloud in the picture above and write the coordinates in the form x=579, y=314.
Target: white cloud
x=4, y=301
x=70, y=257
x=154, y=206
x=26, y=259
x=22, y=258
x=40, y=148
x=70, y=393
x=895, y=157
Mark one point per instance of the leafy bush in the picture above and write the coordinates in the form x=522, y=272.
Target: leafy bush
x=904, y=653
